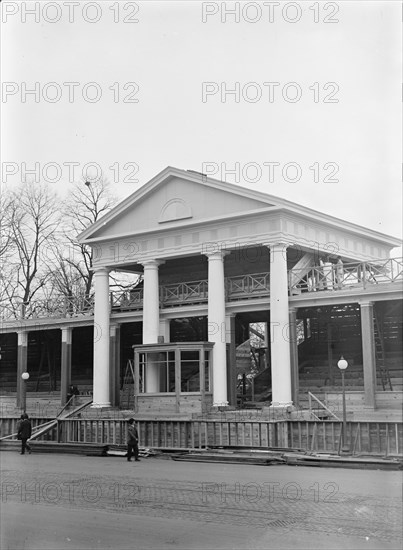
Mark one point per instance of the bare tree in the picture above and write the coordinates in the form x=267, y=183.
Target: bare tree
x=6, y=241
x=33, y=220
x=7, y=249
x=87, y=202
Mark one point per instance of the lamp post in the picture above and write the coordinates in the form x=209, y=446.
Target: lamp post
x=25, y=377
x=342, y=364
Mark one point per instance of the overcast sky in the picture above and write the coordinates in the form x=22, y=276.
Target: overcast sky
x=152, y=112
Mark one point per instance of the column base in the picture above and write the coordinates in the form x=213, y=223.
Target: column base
x=101, y=405
x=220, y=404
x=282, y=405
x=280, y=410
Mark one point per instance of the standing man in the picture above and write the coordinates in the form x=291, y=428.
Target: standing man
x=132, y=441
x=24, y=433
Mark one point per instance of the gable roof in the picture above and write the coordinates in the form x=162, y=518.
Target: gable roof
x=176, y=196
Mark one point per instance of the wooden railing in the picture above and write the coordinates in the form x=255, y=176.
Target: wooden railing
x=333, y=276
x=384, y=438
x=57, y=307
x=248, y=286
x=184, y=293
x=127, y=300
x=329, y=276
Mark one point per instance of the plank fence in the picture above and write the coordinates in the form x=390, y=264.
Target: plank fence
x=381, y=438
x=8, y=426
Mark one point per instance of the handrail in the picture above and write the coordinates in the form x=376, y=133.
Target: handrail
x=337, y=276
x=310, y=396
x=329, y=276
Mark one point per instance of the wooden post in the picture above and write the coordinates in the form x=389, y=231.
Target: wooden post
x=368, y=353
x=232, y=374
x=114, y=370
x=65, y=363
x=202, y=377
x=22, y=359
x=294, y=356
x=177, y=380
x=330, y=353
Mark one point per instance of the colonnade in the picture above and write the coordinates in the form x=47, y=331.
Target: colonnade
x=284, y=355
x=218, y=330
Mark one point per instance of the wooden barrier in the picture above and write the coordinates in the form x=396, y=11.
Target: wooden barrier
x=384, y=438
x=8, y=425
x=380, y=438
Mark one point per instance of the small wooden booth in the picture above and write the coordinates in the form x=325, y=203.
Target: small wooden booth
x=173, y=377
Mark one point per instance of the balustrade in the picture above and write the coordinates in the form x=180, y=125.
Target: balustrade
x=343, y=276
x=331, y=277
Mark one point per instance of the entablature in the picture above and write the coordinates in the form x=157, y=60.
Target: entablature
x=243, y=231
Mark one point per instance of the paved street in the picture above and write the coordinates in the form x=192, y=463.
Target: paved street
x=61, y=501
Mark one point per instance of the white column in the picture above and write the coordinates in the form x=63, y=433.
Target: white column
x=101, y=385
x=280, y=346
x=151, y=319
x=151, y=304
x=164, y=329
x=216, y=326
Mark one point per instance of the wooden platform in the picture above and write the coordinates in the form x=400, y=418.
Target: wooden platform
x=85, y=449
x=298, y=458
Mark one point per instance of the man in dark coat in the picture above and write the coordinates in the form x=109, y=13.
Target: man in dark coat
x=132, y=441
x=24, y=432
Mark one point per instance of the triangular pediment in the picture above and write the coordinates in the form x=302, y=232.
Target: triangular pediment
x=179, y=199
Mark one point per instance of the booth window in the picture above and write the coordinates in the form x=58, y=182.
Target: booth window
x=157, y=372
x=190, y=371
x=179, y=368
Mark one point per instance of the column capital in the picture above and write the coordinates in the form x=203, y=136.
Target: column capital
x=366, y=304
x=217, y=254
x=113, y=329
x=101, y=270
x=67, y=334
x=151, y=263
x=279, y=244
x=22, y=338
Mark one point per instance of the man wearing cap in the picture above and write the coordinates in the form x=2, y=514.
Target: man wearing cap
x=24, y=433
x=132, y=441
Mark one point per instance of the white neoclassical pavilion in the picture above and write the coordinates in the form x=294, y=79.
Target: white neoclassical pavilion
x=183, y=214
